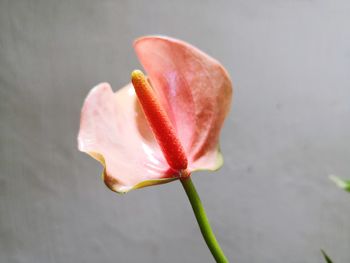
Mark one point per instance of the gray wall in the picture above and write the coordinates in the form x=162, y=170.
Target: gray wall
x=288, y=130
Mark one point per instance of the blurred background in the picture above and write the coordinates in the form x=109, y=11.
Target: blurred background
x=287, y=131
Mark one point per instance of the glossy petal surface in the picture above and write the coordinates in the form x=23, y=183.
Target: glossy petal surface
x=113, y=130
x=196, y=92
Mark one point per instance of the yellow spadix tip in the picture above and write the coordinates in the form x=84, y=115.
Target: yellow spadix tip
x=137, y=74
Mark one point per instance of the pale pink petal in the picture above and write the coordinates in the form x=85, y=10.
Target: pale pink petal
x=114, y=131
x=194, y=89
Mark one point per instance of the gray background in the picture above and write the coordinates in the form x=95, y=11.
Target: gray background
x=288, y=130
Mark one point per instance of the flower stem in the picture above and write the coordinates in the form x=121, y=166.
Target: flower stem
x=202, y=220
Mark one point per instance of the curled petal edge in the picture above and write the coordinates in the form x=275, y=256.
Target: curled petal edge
x=219, y=162
x=112, y=183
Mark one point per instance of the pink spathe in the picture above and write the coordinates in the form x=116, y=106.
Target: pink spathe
x=194, y=90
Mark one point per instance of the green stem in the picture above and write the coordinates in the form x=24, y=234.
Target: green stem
x=203, y=221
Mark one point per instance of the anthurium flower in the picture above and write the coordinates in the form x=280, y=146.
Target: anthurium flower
x=165, y=130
